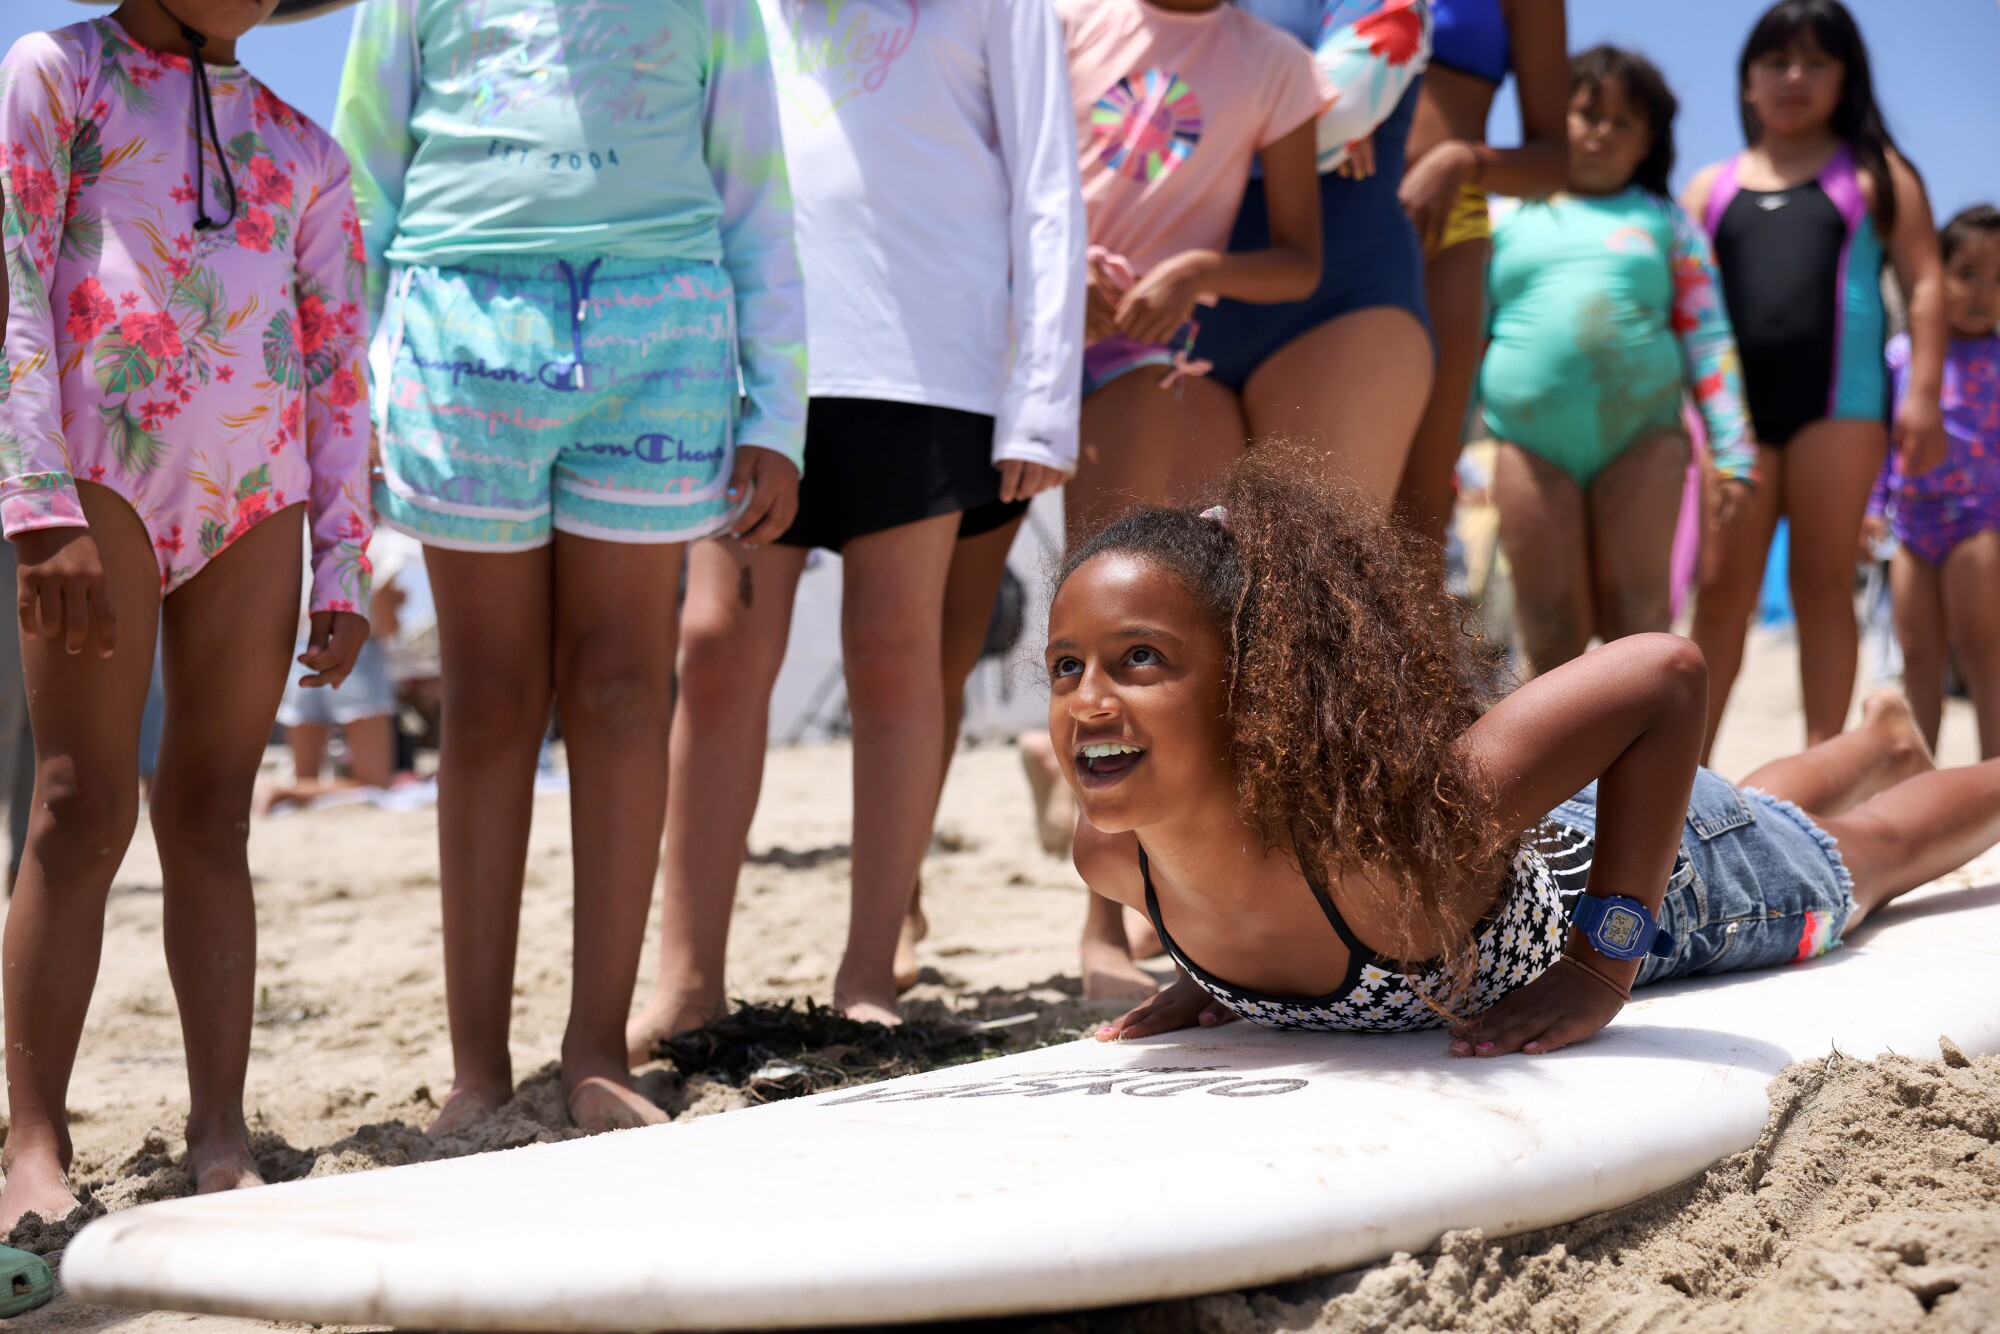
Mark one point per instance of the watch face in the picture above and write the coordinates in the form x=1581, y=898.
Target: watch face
x=1621, y=928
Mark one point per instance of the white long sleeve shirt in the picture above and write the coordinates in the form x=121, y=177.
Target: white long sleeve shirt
x=940, y=223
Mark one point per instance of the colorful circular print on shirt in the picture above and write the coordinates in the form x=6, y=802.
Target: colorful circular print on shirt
x=1150, y=123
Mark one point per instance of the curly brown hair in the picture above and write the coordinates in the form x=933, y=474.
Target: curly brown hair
x=1352, y=676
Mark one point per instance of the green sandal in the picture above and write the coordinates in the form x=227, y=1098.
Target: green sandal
x=25, y=1281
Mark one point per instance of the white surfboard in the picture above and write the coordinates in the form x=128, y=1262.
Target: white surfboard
x=1074, y=1176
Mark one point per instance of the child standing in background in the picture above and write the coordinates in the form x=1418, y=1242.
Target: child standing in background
x=579, y=230
x=184, y=347
x=1947, y=520
x=1803, y=221
x=1605, y=316
x=1175, y=101
x=938, y=214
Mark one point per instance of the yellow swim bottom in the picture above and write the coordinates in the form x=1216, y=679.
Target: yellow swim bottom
x=1469, y=221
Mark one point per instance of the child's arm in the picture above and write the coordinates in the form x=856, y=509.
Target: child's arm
x=1708, y=351
x=328, y=287
x=746, y=156
x=1029, y=72
x=1889, y=480
x=1371, y=52
x=62, y=589
x=1630, y=715
x=1286, y=270
x=371, y=119
x=1913, y=249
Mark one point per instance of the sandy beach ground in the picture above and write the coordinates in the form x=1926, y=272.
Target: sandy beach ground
x=1881, y=1210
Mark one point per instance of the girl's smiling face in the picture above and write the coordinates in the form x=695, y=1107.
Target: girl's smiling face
x=1138, y=693
x=1972, y=285
x=1609, y=136
x=1795, y=90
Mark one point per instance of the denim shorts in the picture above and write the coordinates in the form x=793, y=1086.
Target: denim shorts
x=1757, y=882
x=366, y=693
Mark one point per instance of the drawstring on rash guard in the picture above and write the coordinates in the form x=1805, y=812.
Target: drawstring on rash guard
x=204, y=127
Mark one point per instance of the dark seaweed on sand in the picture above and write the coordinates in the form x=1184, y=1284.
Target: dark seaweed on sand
x=787, y=1050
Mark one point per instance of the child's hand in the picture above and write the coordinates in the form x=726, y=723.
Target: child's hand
x=1430, y=188
x=1100, y=306
x=772, y=482
x=1359, y=164
x=1919, y=435
x=1182, y=1005
x=1020, y=479
x=1564, y=1005
x=1162, y=301
x=62, y=593
x=1732, y=502
x=1874, y=532
x=332, y=646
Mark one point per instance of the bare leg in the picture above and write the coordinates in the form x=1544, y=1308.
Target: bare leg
x=1843, y=771
x=1055, y=804
x=371, y=750
x=1109, y=972
x=1357, y=385
x=1825, y=498
x=308, y=743
x=616, y=624
x=493, y=641
x=228, y=645
x=85, y=712
x=1122, y=463
x=1916, y=598
x=1455, y=288
x=1732, y=572
x=1545, y=531
x=1635, y=505
x=971, y=585
x=1971, y=574
x=1212, y=435
x=734, y=625
x=1917, y=831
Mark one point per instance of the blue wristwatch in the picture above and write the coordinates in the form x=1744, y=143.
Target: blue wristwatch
x=1620, y=928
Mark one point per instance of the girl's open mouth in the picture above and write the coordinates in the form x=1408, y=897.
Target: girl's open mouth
x=1101, y=763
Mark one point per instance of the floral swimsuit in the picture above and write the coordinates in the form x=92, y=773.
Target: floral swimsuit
x=209, y=376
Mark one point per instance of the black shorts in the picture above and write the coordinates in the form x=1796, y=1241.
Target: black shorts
x=873, y=464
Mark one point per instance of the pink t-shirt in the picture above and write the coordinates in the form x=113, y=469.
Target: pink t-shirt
x=1171, y=110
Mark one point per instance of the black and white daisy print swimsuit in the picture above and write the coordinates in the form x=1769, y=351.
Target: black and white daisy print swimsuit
x=1521, y=937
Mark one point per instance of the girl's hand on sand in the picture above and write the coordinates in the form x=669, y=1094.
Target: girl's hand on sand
x=1359, y=164
x=1564, y=1005
x=62, y=595
x=1732, y=502
x=772, y=482
x=332, y=646
x=1181, y=1005
x=1430, y=188
x=1020, y=479
x=1919, y=435
x=1162, y=301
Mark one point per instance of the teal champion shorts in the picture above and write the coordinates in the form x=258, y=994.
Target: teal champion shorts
x=530, y=393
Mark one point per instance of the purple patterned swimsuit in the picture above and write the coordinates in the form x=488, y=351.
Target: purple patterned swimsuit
x=1934, y=512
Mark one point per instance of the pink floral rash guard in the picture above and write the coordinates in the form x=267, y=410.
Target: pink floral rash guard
x=211, y=378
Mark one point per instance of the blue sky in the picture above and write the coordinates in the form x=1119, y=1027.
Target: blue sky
x=1937, y=70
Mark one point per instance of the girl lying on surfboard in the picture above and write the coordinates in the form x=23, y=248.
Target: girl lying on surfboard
x=1276, y=728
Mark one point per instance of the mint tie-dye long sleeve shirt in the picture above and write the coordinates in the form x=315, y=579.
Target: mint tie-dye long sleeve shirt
x=641, y=129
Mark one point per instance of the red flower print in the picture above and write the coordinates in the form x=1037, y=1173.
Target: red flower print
x=290, y=417
x=249, y=509
x=155, y=335
x=355, y=250
x=130, y=300
x=351, y=528
x=178, y=268
x=340, y=604
x=343, y=390
x=1393, y=33
x=312, y=325
x=89, y=310
x=185, y=242
x=171, y=542
x=225, y=373
x=35, y=188
x=95, y=472
x=267, y=184
x=255, y=230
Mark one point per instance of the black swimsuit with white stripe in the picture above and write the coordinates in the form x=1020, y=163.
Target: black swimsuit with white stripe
x=1521, y=937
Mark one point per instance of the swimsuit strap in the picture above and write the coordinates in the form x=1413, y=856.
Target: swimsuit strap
x=1359, y=955
x=1720, y=193
x=1842, y=184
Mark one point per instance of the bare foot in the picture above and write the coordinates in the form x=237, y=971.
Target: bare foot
x=666, y=1016
x=221, y=1162
x=865, y=1011
x=36, y=1184
x=1887, y=713
x=915, y=927
x=598, y=1103
x=1055, y=804
x=465, y=1104
x=1110, y=974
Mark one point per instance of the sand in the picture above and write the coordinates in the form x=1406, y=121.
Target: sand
x=1873, y=1204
